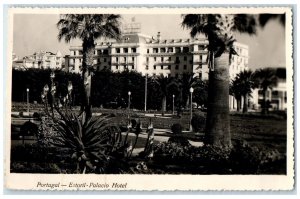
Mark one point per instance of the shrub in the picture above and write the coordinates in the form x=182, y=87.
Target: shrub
x=240, y=159
x=176, y=128
x=198, y=123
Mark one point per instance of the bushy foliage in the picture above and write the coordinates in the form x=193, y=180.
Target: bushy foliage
x=240, y=159
x=198, y=123
x=176, y=128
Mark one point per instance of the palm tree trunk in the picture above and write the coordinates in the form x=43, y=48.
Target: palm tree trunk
x=87, y=63
x=164, y=105
x=245, y=106
x=217, y=130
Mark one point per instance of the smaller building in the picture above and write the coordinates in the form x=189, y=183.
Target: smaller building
x=276, y=97
x=41, y=60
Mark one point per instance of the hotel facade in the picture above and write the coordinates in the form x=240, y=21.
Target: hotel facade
x=154, y=56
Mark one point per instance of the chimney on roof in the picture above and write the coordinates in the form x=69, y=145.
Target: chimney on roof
x=158, y=36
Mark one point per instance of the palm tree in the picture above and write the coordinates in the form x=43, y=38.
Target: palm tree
x=219, y=29
x=88, y=28
x=266, y=79
x=235, y=91
x=163, y=86
x=247, y=83
x=242, y=86
x=188, y=80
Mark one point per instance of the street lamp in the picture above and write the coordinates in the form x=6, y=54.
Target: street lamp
x=146, y=79
x=173, y=104
x=191, y=111
x=70, y=88
x=27, y=90
x=129, y=93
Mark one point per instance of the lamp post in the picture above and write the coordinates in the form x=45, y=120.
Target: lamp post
x=146, y=79
x=70, y=88
x=191, y=111
x=173, y=105
x=27, y=91
x=129, y=93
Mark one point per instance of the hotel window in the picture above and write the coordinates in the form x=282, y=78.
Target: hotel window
x=162, y=59
x=177, y=50
x=200, y=75
x=155, y=50
x=124, y=59
x=118, y=50
x=201, y=47
x=184, y=58
x=147, y=59
x=177, y=60
x=132, y=58
x=117, y=59
x=185, y=49
x=98, y=61
x=148, y=51
x=161, y=67
x=125, y=50
x=105, y=52
x=99, y=52
x=104, y=59
x=80, y=52
x=147, y=67
x=117, y=67
x=176, y=67
x=133, y=50
x=169, y=58
x=184, y=67
x=154, y=67
x=132, y=67
x=154, y=58
x=170, y=50
x=162, y=50
x=169, y=67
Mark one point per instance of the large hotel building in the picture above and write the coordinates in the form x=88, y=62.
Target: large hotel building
x=151, y=55
x=154, y=56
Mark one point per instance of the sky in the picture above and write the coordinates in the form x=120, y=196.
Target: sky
x=35, y=32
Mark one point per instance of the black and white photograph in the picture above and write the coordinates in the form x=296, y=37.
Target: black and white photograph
x=106, y=96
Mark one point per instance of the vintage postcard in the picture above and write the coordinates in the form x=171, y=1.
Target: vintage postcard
x=149, y=98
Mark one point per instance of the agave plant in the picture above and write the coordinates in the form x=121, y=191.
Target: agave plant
x=91, y=143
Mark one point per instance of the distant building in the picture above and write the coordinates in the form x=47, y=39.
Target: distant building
x=276, y=97
x=41, y=59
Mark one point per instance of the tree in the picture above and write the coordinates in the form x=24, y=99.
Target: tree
x=163, y=84
x=247, y=83
x=242, y=86
x=265, y=79
x=188, y=80
x=219, y=32
x=235, y=91
x=88, y=28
